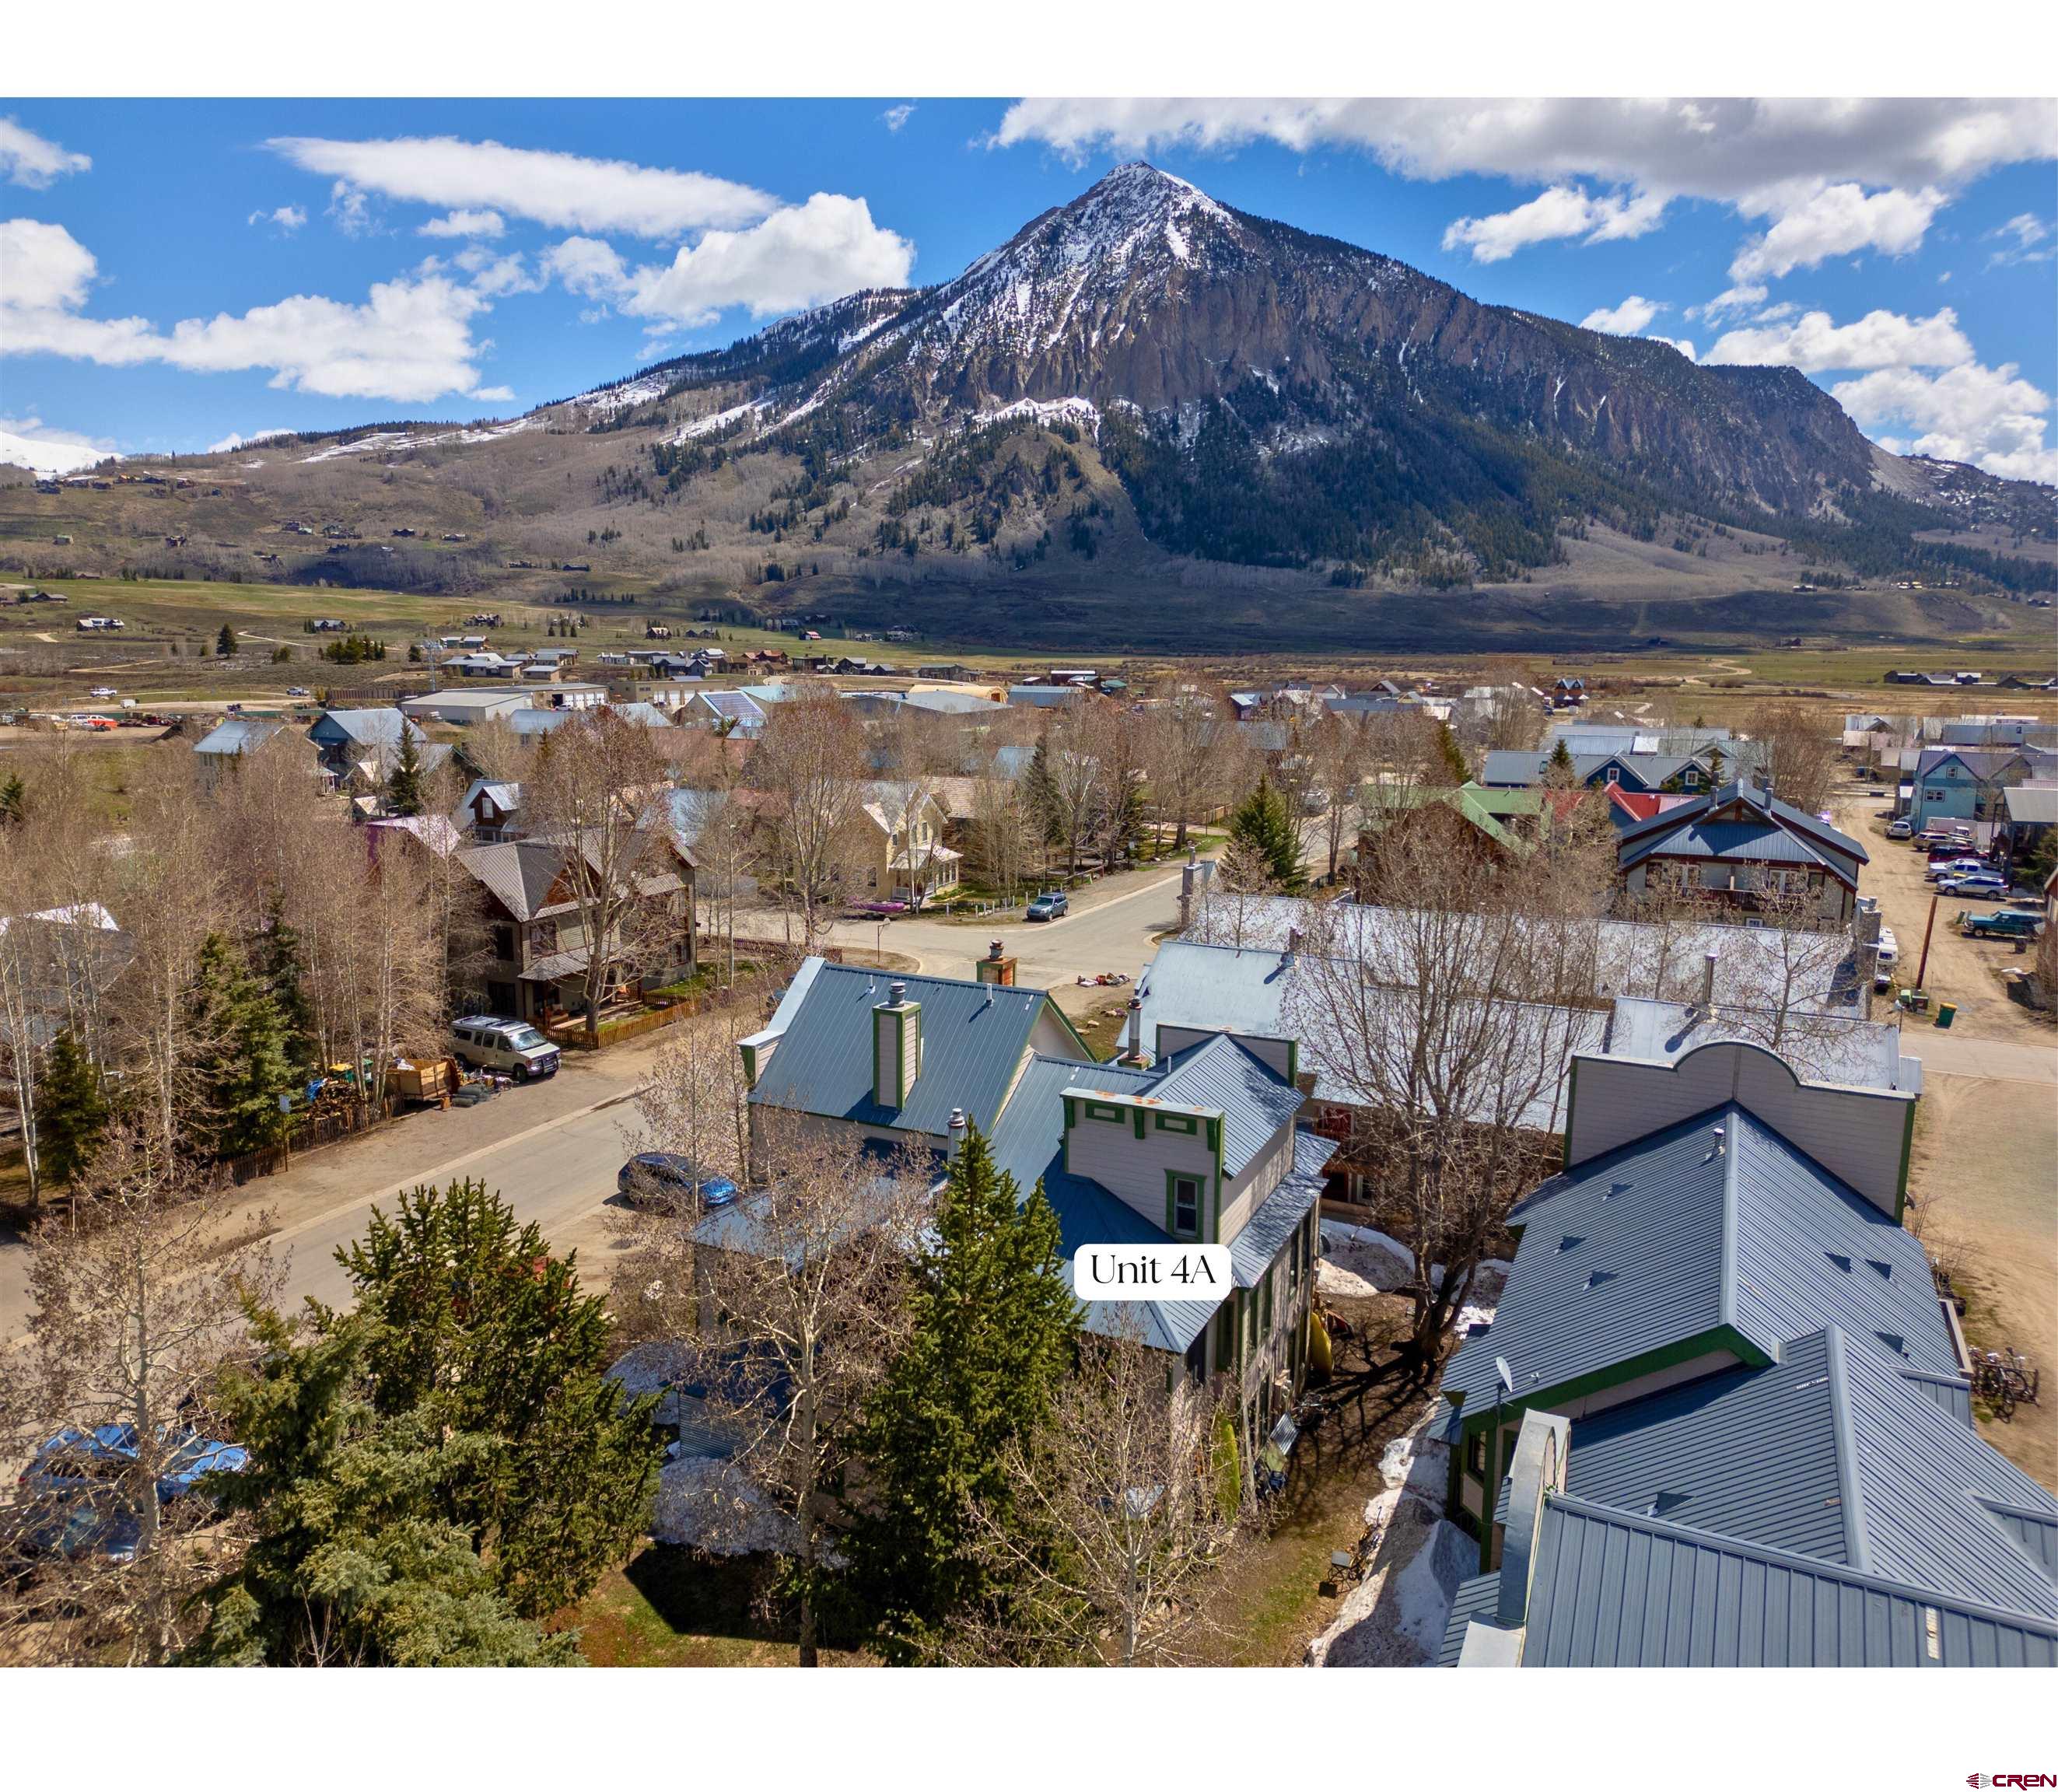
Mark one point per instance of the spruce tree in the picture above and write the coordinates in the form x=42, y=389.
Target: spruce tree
x=241, y=1064
x=403, y=788
x=1452, y=755
x=285, y=977
x=1264, y=825
x=1039, y=794
x=994, y=1327
x=14, y=800
x=71, y=1111
x=224, y=643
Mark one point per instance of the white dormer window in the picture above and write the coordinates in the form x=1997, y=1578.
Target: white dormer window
x=1692, y=781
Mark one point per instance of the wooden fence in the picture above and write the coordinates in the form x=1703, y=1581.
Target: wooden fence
x=322, y=1129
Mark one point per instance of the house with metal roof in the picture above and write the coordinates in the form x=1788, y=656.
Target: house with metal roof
x=726, y=712
x=905, y=858
x=219, y=751
x=536, y=927
x=1967, y=784
x=364, y=743
x=1740, y=847
x=461, y=708
x=1204, y=1147
x=1712, y=1211
x=491, y=811
x=1679, y=772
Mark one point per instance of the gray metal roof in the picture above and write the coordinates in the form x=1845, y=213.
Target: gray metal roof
x=2034, y=804
x=1257, y=1247
x=1254, y=1100
x=519, y=873
x=1835, y=1454
x=1611, y=1590
x=1632, y=958
x=362, y=728
x=526, y=722
x=1841, y=1049
x=1476, y=1598
x=973, y=1036
x=238, y=734
x=1668, y=1238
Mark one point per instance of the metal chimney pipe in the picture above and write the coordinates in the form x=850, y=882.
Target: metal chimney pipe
x=958, y=1129
x=1708, y=981
x=896, y=993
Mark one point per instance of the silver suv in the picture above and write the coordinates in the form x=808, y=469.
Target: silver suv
x=513, y=1046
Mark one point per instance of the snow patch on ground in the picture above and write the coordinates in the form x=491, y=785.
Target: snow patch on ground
x=611, y=398
x=721, y=419
x=1395, y=1616
x=710, y=1505
x=1080, y=411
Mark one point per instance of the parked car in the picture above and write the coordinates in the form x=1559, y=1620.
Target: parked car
x=298, y=691
x=1889, y=947
x=667, y=1177
x=488, y=1043
x=102, y=1525
x=2004, y=923
x=1048, y=907
x=1902, y=829
x=1976, y=884
x=76, y=1462
x=1945, y=868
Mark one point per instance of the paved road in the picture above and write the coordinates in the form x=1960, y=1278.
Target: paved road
x=1952, y=1054
x=1112, y=927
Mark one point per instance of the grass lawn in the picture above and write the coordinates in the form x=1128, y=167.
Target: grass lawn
x=671, y=1608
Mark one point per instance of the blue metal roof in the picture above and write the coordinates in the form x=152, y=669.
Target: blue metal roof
x=1257, y=1247
x=1773, y=832
x=1664, y=1239
x=1252, y=1098
x=238, y=734
x=1612, y=1590
x=1749, y=1453
x=1029, y=1146
x=973, y=1036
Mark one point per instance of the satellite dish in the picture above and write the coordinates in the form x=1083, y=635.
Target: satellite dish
x=1507, y=1375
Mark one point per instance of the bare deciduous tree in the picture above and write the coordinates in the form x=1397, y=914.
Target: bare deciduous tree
x=135, y=1312
x=600, y=791
x=1797, y=754
x=809, y=765
x=1446, y=1023
x=801, y=1302
x=1123, y=1505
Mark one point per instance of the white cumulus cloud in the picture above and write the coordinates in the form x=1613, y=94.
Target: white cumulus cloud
x=288, y=218
x=1680, y=343
x=464, y=223
x=1625, y=320
x=1810, y=226
x=1788, y=161
x=1557, y=211
x=896, y=116
x=565, y=192
x=232, y=441
x=410, y=341
x=800, y=255
x=27, y=160
x=1988, y=417
x=1815, y=343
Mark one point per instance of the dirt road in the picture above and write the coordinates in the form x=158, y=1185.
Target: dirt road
x=1984, y=1177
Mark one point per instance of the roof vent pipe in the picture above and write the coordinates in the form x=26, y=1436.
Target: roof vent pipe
x=896, y=993
x=958, y=1129
x=1708, y=981
x=1721, y=1145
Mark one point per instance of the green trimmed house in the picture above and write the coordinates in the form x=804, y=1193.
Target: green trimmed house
x=1205, y=1147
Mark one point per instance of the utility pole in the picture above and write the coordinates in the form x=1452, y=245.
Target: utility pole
x=1929, y=927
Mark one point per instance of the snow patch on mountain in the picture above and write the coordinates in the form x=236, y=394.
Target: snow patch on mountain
x=394, y=441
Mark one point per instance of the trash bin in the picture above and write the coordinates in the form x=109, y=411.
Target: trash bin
x=1946, y=1013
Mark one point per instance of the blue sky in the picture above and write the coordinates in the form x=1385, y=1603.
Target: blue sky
x=174, y=273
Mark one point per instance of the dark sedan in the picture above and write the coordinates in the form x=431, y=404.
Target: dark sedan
x=667, y=1179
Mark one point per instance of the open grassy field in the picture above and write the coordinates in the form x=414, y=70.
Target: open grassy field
x=165, y=653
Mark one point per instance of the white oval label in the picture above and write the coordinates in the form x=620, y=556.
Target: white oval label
x=1152, y=1272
